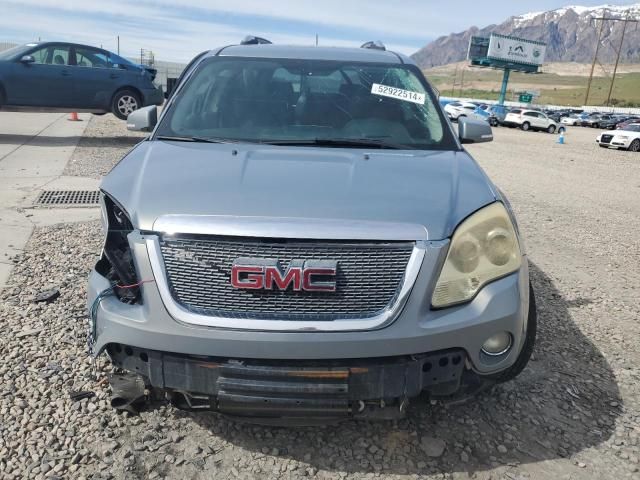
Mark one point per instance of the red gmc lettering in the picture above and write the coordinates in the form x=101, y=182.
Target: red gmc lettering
x=307, y=276
x=310, y=285
x=282, y=281
x=253, y=280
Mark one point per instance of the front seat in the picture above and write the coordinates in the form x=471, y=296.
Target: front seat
x=58, y=60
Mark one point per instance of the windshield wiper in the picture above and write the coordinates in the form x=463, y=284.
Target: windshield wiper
x=341, y=142
x=203, y=139
x=189, y=139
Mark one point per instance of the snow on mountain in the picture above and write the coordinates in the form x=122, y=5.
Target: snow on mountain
x=570, y=34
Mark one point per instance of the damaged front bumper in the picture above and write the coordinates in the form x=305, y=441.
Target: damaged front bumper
x=261, y=390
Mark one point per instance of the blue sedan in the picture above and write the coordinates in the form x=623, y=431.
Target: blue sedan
x=56, y=76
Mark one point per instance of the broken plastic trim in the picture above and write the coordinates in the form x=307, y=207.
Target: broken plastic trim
x=116, y=262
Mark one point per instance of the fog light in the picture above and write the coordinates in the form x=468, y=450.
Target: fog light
x=497, y=344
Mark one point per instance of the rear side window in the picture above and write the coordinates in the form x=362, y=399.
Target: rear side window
x=90, y=57
x=515, y=110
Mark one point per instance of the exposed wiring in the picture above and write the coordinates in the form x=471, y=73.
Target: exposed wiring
x=134, y=284
x=93, y=311
x=93, y=315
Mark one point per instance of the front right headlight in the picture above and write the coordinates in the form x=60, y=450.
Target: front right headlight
x=484, y=248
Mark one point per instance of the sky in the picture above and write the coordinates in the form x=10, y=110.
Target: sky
x=177, y=30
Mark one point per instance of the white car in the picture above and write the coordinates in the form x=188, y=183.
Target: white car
x=531, y=120
x=573, y=119
x=627, y=139
x=456, y=110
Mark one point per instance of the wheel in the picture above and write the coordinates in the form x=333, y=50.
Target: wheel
x=561, y=130
x=551, y=129
x=124, y=103
x=635, y=146
x=527, y=349
x=525, y=126
x=459, y=117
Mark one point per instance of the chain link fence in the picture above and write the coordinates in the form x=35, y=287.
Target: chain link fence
x=6, y=45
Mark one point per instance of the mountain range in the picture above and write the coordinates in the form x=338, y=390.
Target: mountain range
x=570, y=33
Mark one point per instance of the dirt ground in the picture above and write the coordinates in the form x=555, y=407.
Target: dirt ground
x=574, y=413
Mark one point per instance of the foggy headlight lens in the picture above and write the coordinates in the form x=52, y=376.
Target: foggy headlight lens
x=484, y=247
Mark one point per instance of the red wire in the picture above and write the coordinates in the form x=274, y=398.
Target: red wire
x=135, y=284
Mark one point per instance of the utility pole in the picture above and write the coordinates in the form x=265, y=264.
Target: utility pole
x=118, y=44
x=603, y=19
x=316, y=39
x=461, y=81
x=455, y=79
x=595, y=59
x=615, y=69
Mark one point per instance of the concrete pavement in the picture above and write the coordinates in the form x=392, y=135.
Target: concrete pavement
x=34, y=149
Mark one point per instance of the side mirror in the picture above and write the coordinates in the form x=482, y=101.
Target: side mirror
x=27, y=59
x=474, y=131
x=143, y=119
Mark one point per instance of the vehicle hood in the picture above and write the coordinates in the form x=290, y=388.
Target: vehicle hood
x=435, y=189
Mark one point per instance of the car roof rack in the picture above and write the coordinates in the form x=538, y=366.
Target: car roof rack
x=374, y=45
x=252, y=40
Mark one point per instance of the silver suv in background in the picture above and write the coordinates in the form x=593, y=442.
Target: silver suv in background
x=531, y=120
x=303, y=237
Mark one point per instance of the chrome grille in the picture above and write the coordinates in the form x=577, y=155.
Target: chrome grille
x=369, y=278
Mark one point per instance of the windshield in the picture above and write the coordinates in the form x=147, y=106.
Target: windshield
x=13, y=51
x=634, y=128
x=290, y=100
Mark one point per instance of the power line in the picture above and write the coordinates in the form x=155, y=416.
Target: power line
x=604, y=19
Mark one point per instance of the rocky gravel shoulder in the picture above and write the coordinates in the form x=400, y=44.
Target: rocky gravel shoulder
x=105, y=141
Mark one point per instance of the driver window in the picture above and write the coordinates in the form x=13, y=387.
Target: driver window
x=52, y=55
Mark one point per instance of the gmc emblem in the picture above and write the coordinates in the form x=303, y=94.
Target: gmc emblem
x=266, y=274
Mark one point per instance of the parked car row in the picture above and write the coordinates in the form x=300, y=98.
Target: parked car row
x=607, y=121
x=57, y=76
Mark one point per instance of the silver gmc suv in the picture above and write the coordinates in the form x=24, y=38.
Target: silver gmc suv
x=301, y=238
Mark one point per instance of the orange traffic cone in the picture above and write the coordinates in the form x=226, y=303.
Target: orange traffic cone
x=74, y=117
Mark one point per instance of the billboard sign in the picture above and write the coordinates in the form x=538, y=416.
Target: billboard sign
x=516, y=50
x=478, y=48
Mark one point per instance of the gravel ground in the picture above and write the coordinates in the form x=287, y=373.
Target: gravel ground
x=105, y=141
x=573, y=414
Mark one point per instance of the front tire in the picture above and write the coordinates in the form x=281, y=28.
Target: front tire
x=527, y=349
x=525, y=126
x=551, y=129
x=635, y=146
x=124, y=103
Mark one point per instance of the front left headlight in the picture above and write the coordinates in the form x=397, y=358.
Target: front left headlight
x=484, y=248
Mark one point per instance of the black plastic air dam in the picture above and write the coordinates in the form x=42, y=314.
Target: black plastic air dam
x=290, y=388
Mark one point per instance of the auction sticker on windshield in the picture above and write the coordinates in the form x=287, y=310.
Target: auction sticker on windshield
x=398, y=93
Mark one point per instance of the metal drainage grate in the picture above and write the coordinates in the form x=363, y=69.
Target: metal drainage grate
x=68, y=197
